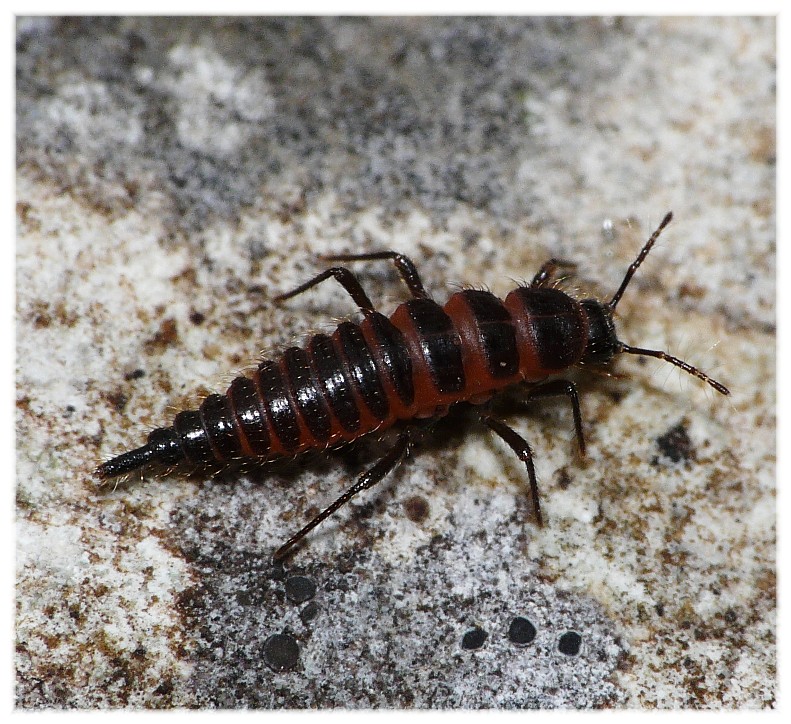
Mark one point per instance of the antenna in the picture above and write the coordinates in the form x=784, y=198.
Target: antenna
x=722, y=389
x=652, y=352
x=640, y=258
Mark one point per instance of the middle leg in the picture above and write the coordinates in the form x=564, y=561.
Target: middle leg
x=519, y=445
x=405, y=266
x=556, y=388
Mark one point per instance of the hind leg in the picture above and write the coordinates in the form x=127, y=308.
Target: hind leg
x=367, y=480
x=345, y=278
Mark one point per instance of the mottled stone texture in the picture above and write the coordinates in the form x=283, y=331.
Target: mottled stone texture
x=175, y=174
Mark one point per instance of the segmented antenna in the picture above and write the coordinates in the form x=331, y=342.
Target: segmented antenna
x=640, y=258
x=653, y=352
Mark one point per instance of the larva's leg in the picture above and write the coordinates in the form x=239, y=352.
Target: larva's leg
x=556, y=388
x=548, y=269
x=519, y=445
x=405, y=266
x=345, y=278
x=367, y=480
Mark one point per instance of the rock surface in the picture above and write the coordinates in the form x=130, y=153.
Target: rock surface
x=174, y=175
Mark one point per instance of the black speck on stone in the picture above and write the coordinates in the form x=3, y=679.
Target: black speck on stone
x=300, y=589
x=521, y=631
x=281, y=652
x=278, y=572
x=417, y=508
x=675, y=444
x=310, y=612
x=474, y=638
x=570, y=643
x=197, y=318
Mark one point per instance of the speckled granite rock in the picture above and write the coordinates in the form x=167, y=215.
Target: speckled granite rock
x=173, y=175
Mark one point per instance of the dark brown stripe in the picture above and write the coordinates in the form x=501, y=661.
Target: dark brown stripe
x=252, y=420
x=272, y=387
x=328, y=368
x=558, y=326
x=440, y=344
x=392, y=351
x=218, y=421
x=361, y=368
x=192, y=437
x=497, y=334
x=165, y=443
x=307, y=395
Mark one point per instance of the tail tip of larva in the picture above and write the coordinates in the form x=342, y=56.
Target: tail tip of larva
x=162, y=448
x=105, y=472
x=125, y=463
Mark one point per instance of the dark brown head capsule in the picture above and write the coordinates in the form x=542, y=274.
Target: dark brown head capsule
x=602, y=343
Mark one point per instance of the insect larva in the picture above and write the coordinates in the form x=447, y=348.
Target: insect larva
x=409, y=367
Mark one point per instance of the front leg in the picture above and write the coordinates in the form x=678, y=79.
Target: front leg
x=548, y=269
x=556, y=388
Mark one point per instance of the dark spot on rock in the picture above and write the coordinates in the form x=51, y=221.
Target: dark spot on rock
x=134, y=375
x=164, y=336
x=563, y=479
x=281, y=652
x=254, y=595
x=470, y=236
x=197, y=318
x=675, y=444
x=474, y=638
x=23, y=210
x=300, y=589
x=278, y=572
x=258, y=247
x=570, y=643
x=310, y=612
x=521, y=632
x=118, y=399
x=416, y=508
x=165, y=688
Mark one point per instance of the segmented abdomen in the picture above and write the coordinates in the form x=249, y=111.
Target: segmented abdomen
x=366, y=376
x=335, y=389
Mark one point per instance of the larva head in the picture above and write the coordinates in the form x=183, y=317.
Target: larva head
x=603, y=343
